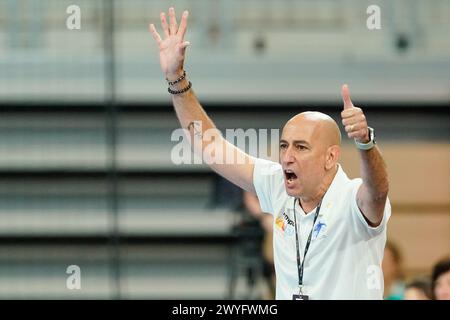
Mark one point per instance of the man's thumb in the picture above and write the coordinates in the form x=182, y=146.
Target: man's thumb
x=346, y=97
x=184, y=45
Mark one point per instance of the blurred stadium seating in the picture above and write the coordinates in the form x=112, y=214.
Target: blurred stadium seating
x=283, y=57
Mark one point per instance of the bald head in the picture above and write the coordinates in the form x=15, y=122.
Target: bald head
x=322, y=127
x=309, y=153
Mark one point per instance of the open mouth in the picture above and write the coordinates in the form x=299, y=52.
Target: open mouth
x=290, y=175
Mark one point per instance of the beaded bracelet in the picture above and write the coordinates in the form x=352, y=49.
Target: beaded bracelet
x=180, y=91
x=171, y=83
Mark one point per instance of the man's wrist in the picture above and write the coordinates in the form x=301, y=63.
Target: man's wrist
x=368, y=143
x=172, y=77
x=178, y=83
x=366, y=139
x=180, y=90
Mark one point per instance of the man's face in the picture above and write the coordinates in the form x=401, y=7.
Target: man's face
x=302, y=157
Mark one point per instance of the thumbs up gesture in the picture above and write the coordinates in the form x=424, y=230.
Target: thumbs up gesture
x=353, y=119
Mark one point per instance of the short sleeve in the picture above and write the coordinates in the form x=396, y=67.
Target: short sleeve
x=266, y=179
x=357, y=215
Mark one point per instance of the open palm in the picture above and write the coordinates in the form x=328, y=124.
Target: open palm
x=172, y=48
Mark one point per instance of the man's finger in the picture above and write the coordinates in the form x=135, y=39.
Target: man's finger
x=356, y=134
x=183, y=47
x=346, y=97
x=351, y=127
x=155, y=34
x=172, y=21
x=164, y=24
x=348, y=113
x=346, y=120
x=183, y=24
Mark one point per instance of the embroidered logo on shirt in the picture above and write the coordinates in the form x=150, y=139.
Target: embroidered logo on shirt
x=319, y=229
x=285, y=224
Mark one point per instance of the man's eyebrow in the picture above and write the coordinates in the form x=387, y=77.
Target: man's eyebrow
x=296, y=141
x=301, y=142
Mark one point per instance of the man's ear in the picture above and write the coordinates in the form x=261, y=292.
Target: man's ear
x=332, y=157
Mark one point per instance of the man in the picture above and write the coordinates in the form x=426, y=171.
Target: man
x=329, y=231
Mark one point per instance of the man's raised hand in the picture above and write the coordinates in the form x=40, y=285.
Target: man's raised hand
x=172, y=47
x=353, y=119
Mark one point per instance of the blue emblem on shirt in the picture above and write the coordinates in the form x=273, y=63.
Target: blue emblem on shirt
x=320, y=226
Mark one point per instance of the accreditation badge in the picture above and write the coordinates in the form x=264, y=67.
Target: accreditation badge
x=300, y=297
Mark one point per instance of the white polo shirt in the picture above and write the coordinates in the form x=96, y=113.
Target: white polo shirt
x=345, y=254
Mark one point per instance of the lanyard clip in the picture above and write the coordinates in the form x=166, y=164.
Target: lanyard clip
x=300, y=290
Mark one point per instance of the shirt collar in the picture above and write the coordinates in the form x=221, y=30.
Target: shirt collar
x=327, y=201
x=333, y=190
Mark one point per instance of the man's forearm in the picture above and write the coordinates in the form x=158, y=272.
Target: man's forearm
x=188, y=108
x=374, y=174
x=191, y=114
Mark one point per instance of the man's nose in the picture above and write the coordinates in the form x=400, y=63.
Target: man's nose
x=287, y=156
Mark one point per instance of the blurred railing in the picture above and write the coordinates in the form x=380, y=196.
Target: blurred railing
x=294, y=50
